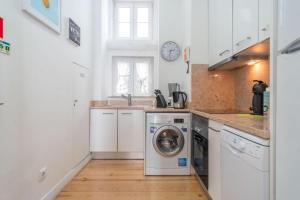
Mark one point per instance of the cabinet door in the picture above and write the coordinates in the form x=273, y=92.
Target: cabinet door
x=81, y=101
x=104, y=130
x=214, y=137
x=265, y=19
x=245, y=24
x=220, y=30
x=288, y=26
x=130, y=130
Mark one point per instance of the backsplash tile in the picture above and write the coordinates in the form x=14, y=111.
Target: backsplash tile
x=226, y=90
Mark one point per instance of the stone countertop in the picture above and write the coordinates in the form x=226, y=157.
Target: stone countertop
x=165, y=110
x=252, y=124
x=133, y=107
x=147, y=109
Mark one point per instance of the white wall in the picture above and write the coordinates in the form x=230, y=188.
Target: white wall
x=105, y=48
x=182, y=21
x=42, y=60
x=171, y=28
x=10, y=71
x=185, y=22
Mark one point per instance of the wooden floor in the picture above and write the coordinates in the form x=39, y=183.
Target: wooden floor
x=125, y=180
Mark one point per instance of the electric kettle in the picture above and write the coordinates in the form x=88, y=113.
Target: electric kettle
x=179, y=100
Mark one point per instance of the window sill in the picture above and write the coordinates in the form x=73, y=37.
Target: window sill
x=132, y=45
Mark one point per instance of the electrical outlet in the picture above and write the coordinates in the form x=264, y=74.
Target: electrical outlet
x=42, y=174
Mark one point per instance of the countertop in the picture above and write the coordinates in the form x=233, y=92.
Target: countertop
x=254, y=125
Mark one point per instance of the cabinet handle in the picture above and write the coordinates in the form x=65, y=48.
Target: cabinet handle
x=240, y=42
x=218, y=131
x=221, y=54
x=292, y=47
x=126, y=113
x=264, y=29
x=107, y=113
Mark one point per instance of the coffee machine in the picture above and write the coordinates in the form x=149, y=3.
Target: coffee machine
x=258, y=97
x=173, y=87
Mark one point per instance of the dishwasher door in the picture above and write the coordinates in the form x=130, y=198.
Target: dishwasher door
x=244, y=172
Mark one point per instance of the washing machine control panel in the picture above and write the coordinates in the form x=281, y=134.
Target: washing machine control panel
x=178, y=121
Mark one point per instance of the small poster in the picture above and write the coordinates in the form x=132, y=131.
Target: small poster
x=74, y=32
x=1, y=28
x=4, y=47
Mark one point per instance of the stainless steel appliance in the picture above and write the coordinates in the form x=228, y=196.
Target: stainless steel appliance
x=179, y=100
x=200, y=148
x=173, y=87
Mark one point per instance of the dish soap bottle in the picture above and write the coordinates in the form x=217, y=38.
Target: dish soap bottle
x=267, y=101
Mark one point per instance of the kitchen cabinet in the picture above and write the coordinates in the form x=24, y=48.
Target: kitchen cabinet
x=130, y=131
x=265, y=19
x=220, y=30
x=245, y=24
x=214, y=138
x=104, y=130
x=117, y=130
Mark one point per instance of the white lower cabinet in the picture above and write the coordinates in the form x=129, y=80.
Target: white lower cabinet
x=214, y=138
x=117, y=131
x=130, y=131
x=104, y=130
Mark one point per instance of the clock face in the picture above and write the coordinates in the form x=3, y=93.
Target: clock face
x=170, y=51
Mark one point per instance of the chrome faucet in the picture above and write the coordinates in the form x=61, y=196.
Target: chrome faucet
x=129, y=98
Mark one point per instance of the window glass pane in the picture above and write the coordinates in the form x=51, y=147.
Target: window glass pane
x=123, y=78
x=124, y=14
x=142, y=14
x=124, y=30
x=142, y=30
x=142, y=79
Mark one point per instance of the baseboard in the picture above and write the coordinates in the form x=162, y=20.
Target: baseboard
x=121, y=156
x=66, y=179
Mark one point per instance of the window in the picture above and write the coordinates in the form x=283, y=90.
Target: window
x=133, y=20
x=132, y=76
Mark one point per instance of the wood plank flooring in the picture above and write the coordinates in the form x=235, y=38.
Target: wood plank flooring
x=125, y=180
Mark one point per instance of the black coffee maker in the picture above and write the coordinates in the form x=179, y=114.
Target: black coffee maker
x=258, y=97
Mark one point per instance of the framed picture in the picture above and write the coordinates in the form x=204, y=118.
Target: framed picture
x=46, y=11
x=74, y=32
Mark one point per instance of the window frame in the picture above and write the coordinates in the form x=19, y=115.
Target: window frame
x=132, y=62
x=133, y=5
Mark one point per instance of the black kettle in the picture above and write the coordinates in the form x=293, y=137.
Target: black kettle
x=179, y=100
x=258, y=97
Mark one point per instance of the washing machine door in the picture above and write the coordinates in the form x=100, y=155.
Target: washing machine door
x=168, y=141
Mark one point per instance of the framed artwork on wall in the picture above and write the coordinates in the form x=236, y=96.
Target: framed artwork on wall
x=46, y=11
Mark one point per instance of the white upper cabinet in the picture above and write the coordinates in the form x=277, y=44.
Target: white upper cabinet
x=265, y=19
x=288, y=25
x=130, y=131
x=104, y=130
x=220, y=30
x=245, y=24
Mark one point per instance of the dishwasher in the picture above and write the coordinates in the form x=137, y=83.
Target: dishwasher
x=244, y=166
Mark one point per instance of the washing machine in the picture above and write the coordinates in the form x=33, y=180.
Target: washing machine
x=167, y=144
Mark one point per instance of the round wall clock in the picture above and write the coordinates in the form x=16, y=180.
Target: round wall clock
x=170, y=51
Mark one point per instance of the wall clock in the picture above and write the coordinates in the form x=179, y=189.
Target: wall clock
x=170, y=51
